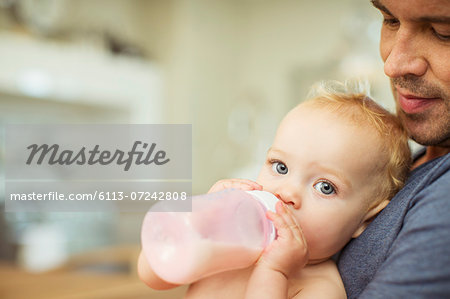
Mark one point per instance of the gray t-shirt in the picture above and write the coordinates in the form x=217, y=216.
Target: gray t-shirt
x=405, y=251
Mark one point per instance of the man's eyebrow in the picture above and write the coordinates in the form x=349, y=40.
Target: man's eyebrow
x=425, y=19
x=377, y=4
x=437, y=19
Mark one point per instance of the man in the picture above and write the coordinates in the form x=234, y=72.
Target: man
x=405, y=251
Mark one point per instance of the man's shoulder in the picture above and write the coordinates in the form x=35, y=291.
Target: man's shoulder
x=429, y=201
x=427, y=179
x=426, y=182
x=426, y=190
x=418, y=213
x=431, y=170
x=423, y=189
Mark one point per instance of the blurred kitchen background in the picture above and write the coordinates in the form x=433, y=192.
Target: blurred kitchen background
x=231, y=68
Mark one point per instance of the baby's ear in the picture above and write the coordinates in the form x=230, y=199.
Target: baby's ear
x=370, y=215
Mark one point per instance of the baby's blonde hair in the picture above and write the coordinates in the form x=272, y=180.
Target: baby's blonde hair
x=351, y=100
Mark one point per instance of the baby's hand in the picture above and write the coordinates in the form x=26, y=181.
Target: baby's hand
x=241, y=184
x=288, y=253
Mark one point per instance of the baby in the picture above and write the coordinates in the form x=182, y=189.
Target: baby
x=335, y=163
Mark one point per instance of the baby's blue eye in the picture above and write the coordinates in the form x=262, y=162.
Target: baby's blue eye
x=325, y=187
x=279, y=167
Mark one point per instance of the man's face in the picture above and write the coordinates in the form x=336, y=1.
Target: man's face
x=415, y=48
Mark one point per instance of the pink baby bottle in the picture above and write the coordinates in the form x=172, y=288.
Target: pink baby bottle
x=226, y=230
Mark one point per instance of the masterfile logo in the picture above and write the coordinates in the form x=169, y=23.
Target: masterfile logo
x=97, y=167
x=80, y=152
x=52, y=155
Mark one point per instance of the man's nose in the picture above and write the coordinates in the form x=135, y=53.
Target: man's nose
x=404, y=56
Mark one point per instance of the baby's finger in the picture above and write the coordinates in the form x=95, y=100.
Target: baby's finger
x=291, y=222
x=251, y=184
x=296, y=228
x=284, y=211
x=277, y=221
x=283, y=229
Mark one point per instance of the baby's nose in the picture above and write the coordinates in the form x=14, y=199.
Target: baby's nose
x=289, y=196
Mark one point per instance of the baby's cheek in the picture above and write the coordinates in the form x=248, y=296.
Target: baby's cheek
x=320, y=238
x=261, y=178
x=265, y=180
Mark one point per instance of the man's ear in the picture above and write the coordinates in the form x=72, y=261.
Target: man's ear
x=370, y=215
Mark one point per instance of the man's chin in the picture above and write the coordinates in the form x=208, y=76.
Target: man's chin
x=427, y=136
x=422, y=128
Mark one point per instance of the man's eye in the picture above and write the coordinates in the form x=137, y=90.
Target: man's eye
x=325, y=188
x=279, y=167
x=442, y=37
x=391, y=22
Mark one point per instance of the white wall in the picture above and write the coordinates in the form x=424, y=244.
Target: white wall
x=233, y=68
x=236, y=67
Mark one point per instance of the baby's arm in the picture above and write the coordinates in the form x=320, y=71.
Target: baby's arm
x=282, y=259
